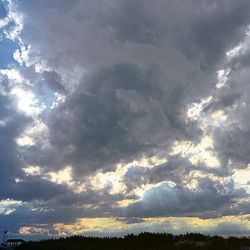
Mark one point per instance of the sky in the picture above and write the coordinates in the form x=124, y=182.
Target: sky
x=119, y=117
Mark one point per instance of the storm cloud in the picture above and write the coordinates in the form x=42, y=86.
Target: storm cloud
x=126, y=110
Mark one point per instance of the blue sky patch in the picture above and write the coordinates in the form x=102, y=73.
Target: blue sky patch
x=7, y=48
x=3, y=11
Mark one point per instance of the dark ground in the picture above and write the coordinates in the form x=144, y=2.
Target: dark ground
x=143, y=241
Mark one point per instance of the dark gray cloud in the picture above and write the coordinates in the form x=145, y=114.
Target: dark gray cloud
x=233, y=145
x=168, y=200
x=206, y=29
x=220, y=28
x=115, y=115
x=25, y=191
x=122, y=111
x=231, y=140
x=12, y=124
x=131, y=220
x=177, y=170
x=53, y=80
x=129, y=70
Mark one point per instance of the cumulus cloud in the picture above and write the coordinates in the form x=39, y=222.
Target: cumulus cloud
x=127, y=80
x=12, y=124
x=116, y=114
x=168, y=200
x=137, y=74
x=53, y=80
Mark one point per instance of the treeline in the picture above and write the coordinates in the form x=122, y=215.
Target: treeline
x=145, y=241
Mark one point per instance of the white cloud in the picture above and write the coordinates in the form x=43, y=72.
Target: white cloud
x=9, y=206
x=14, y=20
x=27, y=101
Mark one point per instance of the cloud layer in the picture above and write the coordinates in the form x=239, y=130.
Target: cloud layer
x=124, y=110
